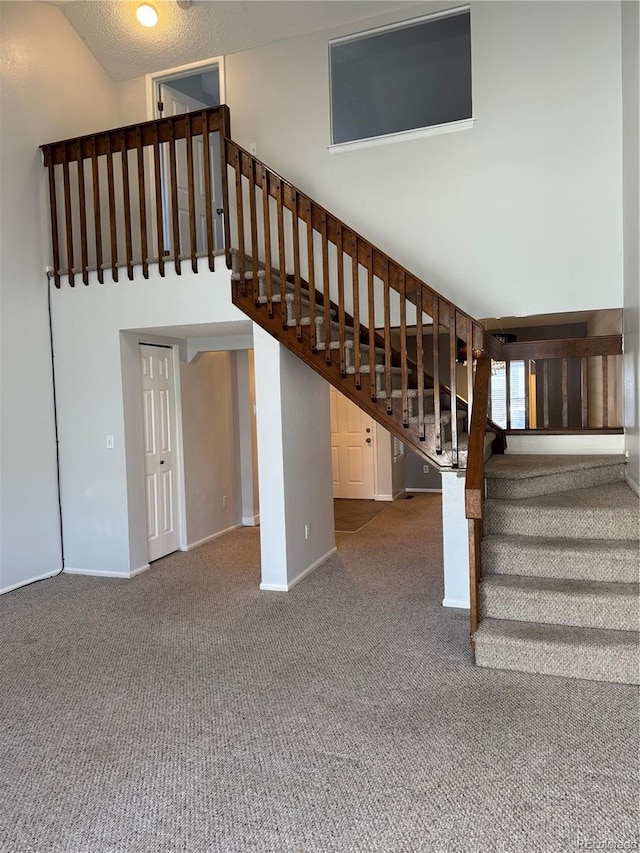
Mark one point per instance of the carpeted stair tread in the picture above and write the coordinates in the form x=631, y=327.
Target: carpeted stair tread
x=589, y=604
x=609, y=512
x=573, y=652
x=411, y=393
x=519, y=476
x=521, y=466
x=612, y=560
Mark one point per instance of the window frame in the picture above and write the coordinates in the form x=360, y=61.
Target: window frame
x=400, y=135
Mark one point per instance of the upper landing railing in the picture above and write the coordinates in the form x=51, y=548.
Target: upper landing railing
x=137, y=195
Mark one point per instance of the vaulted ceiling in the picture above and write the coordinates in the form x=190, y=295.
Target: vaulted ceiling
x=208, y=28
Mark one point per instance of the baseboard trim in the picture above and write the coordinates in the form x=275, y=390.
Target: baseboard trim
x=95, y=573
x=275, y=587
x=383, y=497
x=213, y=536
x=20, y=584
x=423, y=491
x=139, y=570
x=632, y=484
x=455, y=602
x=251, y=520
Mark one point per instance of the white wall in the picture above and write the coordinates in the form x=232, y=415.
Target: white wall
x=52, y=88
x=631, y=176
x=521, y=214
x=211, y=445
x=294, y=470
x=98, y=395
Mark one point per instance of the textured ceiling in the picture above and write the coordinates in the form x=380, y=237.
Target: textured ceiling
x=125, y=49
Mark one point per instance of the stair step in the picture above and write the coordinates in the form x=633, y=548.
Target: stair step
x=590, y=653
x=571, y=559
x=379, y=368
x=608, y=512
x=412, y=393
x=586, y=604
x=515, y=476
x=262, y=300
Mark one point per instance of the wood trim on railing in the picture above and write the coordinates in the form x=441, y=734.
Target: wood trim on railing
x=69, y=150
x=474, y=482
x=561, y=348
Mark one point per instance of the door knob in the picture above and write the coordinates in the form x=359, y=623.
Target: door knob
x=368, y=429
x=219, y=210
x=162, y=461
x=368, y=441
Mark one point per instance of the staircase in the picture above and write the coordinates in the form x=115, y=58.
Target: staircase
x=360, y=365
x=560, y=563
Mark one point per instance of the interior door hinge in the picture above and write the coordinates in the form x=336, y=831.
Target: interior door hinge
x=160, y=106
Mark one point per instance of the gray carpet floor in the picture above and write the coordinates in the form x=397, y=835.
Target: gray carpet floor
x=184, y=710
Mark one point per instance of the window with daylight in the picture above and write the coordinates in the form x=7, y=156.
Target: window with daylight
x=406, y=77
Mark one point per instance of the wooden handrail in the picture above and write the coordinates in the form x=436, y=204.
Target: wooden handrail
x=135, y=135
x=560, y=348
x=474, y=482
x=474, y=479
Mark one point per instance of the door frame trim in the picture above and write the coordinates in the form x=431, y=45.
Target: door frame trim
x=155, y=79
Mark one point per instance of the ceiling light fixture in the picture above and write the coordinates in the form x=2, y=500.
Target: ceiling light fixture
x=147, y=15
x=184, y=4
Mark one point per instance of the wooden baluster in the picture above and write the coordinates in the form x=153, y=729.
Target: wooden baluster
x=113, y=230
x=208, y=184
x=545, y=393
x=82, y=198
x=53, y=205
x=237, y=166
x=565, y=393
x=312, y=277
x=527, y=403
x=584, y=399
x=340, y=259
x=436, y=373
x=158, y=192
x=507, y=392
x=453, y=355
x=282, y=262
x=142, y=205
x=255, y=251
x=193, y=238
x=326, y=294
x=126, y=199
x=372, y=323
x=605, y=391
x=404, y=366
x=225, y=133
x=68, y=218
x=267, y=240
x=97, y=213
x=420, y=359
x=297, y=294
x=173, y=180
x=388, y=376
x=355, y=284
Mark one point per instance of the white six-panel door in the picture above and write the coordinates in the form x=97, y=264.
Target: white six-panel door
x=352, y=449
x=159, y=424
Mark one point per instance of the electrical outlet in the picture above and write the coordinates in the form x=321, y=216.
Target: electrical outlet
x=224, y=502
x=253, y=149
x=425, y=469
x=110, y=442
x=307, y=531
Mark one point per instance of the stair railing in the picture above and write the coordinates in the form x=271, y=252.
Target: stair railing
x=557, y=386
x=114, y=196
x=281, y=232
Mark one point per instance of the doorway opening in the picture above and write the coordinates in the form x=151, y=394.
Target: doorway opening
x=189, y=88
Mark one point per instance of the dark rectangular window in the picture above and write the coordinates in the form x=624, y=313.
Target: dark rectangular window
x=407, y=77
